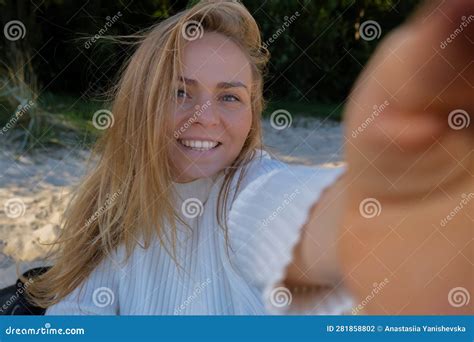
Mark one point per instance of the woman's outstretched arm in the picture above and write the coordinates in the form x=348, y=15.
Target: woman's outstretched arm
x=404, y=210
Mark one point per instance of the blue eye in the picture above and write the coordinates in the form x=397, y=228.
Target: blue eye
x=230, y=98
x=181, y=93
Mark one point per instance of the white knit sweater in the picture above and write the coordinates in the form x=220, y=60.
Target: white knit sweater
x=264, y=223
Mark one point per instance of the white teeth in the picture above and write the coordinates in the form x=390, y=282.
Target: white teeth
x=200, y=145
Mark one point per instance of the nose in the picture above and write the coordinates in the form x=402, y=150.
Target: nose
x=206, y=113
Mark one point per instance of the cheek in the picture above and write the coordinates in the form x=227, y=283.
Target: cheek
x=238, y=126
x=179, y=117
x=181, y=122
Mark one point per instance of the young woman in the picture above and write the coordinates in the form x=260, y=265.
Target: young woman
x=186, y=213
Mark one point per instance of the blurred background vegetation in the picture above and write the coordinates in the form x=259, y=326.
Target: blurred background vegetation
x=315, y=60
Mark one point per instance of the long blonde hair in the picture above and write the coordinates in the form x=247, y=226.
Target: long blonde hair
x=130, y=166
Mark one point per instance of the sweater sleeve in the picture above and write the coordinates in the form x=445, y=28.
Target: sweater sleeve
x=97, y=295
x=265, y=225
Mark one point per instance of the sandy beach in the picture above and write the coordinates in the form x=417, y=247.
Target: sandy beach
x=35, y=187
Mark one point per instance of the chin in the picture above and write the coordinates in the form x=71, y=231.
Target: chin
x=196, y=173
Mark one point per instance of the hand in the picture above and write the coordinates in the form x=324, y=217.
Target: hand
x=412, y=161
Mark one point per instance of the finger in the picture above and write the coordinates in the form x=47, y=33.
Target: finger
x=446, y=40
x=407, y=142
x=427, y=64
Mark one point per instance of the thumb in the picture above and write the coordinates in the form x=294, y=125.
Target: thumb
x=426, y=64
x=418, y=81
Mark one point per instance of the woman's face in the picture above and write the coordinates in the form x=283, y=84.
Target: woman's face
x=212, y=116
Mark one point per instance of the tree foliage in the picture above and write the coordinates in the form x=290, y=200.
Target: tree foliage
x=314, y=58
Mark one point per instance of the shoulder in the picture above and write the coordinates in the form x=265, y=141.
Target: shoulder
x=98, y=293
x=260, y=164
x=266, y=176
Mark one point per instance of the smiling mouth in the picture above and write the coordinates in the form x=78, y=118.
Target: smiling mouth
x=199, y=145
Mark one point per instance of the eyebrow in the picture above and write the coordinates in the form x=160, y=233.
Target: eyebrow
x=226, y=85
x=221, y=85
x=187, y=81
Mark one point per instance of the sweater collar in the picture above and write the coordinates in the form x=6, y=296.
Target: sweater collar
x=197, y=189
